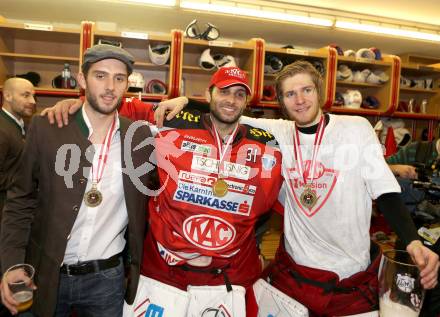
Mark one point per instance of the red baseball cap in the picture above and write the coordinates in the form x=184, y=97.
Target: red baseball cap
x=230, y=76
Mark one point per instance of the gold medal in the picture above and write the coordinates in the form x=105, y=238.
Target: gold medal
x=220, y=188
x=308, y=198
x=93, y=197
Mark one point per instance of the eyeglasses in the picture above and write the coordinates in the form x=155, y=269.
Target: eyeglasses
x=305, y=92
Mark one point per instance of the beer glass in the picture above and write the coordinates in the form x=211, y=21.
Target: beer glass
x=400, y=291
x=20, y=281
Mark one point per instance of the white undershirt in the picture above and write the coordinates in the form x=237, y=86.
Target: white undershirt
x=98, y=232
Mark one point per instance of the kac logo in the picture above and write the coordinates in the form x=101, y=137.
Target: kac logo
x=209, y=232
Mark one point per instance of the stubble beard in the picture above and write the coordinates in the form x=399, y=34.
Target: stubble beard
x=93, y=102
x=217, y=115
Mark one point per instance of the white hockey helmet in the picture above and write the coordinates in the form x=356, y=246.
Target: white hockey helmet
x=206, y=61
x=136, y=82
x=159, y=54
x=352, y=99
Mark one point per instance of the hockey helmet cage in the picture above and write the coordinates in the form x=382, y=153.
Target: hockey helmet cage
x=110, y=42
x=206, y=61
x=136, y=82
x=224, y=60
x=211, y=32
x=272, y=64
x=159, y=54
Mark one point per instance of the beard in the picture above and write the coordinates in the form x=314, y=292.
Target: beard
x=93, y=102
x=226, y=120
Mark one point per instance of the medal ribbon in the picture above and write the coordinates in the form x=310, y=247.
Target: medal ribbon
x=103, y=154
x=298, y=155
x=222, y=149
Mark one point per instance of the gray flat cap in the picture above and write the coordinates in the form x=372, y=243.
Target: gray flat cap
x=99, y=52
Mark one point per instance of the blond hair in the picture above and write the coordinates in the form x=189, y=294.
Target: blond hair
x=298, y=67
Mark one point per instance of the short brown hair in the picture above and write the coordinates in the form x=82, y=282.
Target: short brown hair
x=298, y=67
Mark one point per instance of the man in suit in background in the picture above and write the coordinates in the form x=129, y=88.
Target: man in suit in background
x=18, y=102
x=71, y=213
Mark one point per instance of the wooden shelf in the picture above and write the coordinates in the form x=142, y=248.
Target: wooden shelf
x=362, y=61
x=126, y=35
x=198, y=69
x=39, y=57
x=217, y=44
x=145, y=96
x=297, y=52
x=198, y=98
x=43, y=91
x=418, y=116
x=49, y=91
x=418, y=59
x=19, y=26
x=151, y=65
x=356, y=84
x=419, y=90
x=360, y=111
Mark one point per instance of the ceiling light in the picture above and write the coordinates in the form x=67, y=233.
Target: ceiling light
x=166, y=3
x=388, y=30
x=256, y=12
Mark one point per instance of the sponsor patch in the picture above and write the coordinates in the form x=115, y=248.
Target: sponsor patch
x=229, y=169
x=189, y=146
x=198, y=195
x=209, y=180
x=268, y=161
x=187, y=116
x=195, y=139
x=204, y=164
x=169, y=257
x=209, y=232
x=241, y=188
x=260, y=133
x=197, y=178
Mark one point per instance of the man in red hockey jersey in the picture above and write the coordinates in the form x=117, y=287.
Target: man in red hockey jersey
x=217, y=178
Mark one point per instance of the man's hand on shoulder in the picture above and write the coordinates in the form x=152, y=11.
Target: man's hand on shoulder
x=168, y=109
x=60, y=112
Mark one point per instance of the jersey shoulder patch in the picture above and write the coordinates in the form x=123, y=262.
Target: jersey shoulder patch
x=186, y=119
x=260, y=135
